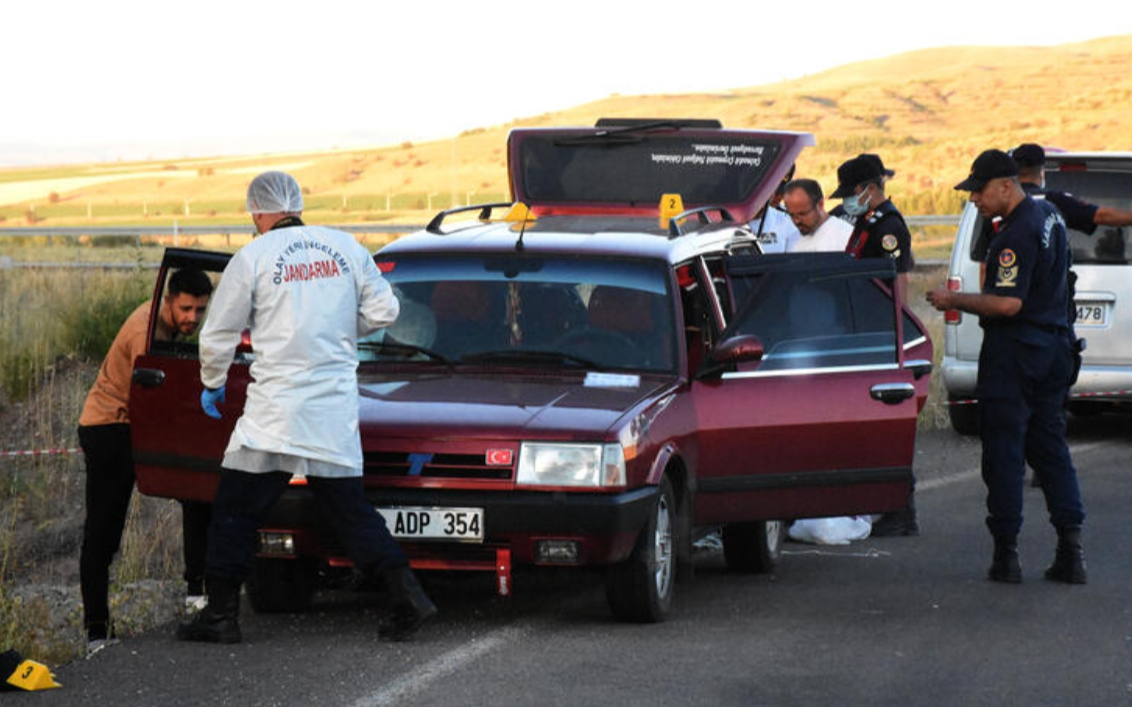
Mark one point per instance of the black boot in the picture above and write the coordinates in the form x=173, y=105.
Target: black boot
x=1069, y=561
x=218, y=622
x=1005, y=567
x=897, y=524
x=410, y=609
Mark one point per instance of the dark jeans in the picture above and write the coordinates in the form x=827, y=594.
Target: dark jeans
x=109, y=487
x=243, y=501
x=1022, y=420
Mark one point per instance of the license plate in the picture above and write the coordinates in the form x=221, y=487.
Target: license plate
x=1092, y=313
x=464, y=524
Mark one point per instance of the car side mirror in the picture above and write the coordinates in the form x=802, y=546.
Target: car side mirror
x=730, y=352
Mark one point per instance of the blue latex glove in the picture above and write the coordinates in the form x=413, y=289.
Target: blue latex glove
x=209, y=397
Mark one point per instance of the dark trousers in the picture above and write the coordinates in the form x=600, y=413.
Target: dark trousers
x=109, y=487
x=243, y=501
x=1023, y=386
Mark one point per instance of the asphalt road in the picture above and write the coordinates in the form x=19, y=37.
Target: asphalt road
x=884, y=621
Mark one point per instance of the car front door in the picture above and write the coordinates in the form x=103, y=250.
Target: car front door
x=824, y=424
x=177, y=448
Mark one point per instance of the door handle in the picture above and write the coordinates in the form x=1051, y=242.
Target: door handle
x=148, y=377
x=892, y=393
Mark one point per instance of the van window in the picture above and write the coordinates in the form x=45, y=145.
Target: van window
x=1107, y=245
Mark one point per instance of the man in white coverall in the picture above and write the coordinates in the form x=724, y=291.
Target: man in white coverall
x=306, y=293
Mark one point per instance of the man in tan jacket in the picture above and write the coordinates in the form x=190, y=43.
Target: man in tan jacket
x=104, y=434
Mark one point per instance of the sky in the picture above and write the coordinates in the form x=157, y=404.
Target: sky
x=126, y=79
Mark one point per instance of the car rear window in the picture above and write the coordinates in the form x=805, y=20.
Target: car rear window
x=638, y=168
x=1107, y=245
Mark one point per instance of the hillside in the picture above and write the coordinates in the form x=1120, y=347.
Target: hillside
x=928, y=113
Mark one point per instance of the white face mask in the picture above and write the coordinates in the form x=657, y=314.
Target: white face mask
x=857, y=205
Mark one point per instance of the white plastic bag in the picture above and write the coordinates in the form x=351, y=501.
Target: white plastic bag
x=831, y=531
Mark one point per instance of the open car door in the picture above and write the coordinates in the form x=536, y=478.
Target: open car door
x=824, y=423
x=177, y=448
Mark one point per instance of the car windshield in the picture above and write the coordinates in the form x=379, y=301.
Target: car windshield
x=601, y=314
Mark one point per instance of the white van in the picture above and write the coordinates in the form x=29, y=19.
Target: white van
x=1104, y=292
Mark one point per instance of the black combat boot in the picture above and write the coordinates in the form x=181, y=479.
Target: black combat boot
x=898, y=524
x=1069, y=561
x=410, y=606
x=1005, y=567
x=218, y=622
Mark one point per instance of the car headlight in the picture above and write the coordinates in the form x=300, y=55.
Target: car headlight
x=552, y=464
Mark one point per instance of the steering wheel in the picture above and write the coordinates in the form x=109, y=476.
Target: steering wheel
x=603, y=339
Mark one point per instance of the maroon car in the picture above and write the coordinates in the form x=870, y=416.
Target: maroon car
x=594, y=375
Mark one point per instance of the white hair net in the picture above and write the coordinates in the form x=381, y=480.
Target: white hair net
x=274, y=193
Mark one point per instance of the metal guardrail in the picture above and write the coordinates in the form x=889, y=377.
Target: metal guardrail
x=138, y=232
x=246, y=229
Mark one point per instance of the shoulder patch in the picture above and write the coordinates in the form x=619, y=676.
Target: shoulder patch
x=1007, y=258
x=889, y=242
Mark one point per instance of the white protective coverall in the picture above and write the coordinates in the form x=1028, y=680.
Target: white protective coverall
x=306, y=293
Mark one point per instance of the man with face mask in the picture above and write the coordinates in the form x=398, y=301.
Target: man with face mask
x=879, y=230
x=104, y=434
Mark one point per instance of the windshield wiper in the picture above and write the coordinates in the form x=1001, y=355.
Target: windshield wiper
x=403, y=348
x=530, y=356
x=620, y=135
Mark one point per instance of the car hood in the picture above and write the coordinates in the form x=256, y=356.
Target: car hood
x=575, y=406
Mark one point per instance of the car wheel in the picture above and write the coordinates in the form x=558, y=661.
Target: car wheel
x=279, y=586
x=753, y=547
x=964, y=416
x=641, y=588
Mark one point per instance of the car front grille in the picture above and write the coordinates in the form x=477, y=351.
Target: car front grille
x=434, y=466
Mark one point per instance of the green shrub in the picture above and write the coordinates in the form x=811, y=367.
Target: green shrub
x=89, y=325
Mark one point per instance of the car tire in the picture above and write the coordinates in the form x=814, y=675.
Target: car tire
x=281, y=585
x=964, y=416
x=640, y=589
x=753, y=547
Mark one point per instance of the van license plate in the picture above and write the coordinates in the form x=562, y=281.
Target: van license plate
x=464, y=524
x=1092, y=313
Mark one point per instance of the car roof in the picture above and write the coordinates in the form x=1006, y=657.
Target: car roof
x=598, y=236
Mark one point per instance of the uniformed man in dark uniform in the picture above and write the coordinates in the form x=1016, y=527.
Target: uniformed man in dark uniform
x=1024, y=366
x=879, y=231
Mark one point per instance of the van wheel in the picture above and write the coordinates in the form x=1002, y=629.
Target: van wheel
x=281, y=585
x=753, y=547
x=964, y=416
x=640, y=589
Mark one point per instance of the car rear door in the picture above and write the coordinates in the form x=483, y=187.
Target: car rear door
x=177, y=448
x=1101, y=261
x=825, y=423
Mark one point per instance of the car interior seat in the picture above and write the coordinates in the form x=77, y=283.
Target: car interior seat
x=632, y=316
x=469, y=317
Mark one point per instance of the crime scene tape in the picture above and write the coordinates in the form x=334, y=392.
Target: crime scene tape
x=39, y=452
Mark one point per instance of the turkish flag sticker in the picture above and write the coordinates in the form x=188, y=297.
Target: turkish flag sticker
x=498, y=457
